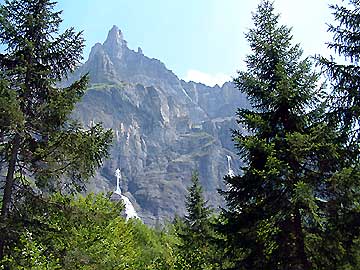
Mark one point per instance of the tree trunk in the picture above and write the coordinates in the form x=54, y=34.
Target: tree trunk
x=300, y=244
x=9, y=184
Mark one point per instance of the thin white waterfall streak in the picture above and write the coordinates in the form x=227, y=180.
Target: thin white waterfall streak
x=130, y=211
x=230, y=170
x=118, y=178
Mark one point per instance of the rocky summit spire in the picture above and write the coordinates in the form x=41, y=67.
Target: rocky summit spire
x=115, y=35
x=115, y=42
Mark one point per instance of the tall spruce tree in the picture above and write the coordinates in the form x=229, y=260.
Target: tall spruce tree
x=198, y=213
x=345, y=77
x=277, y=206
x=195, y=230
x=41, y=148
x=344, y=114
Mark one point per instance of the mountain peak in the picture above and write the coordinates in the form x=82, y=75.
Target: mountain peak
x=115, y=35
x=114, y=42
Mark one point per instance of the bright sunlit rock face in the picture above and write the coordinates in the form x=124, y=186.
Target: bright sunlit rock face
x=115, y=42
x=164, y=128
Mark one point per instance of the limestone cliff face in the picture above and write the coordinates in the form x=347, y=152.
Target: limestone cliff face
x=164, y=128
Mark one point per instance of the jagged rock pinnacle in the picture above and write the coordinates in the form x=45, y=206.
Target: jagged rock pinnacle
x=115, y=35
x=114, y=42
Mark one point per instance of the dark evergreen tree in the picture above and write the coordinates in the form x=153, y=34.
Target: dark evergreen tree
x=345, y=77
x=41, y=148
x=343, y=112
x=195, y=230
x=198, y=213
x=277, y=206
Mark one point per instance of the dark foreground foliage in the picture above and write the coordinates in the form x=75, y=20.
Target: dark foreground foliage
x=41, y=148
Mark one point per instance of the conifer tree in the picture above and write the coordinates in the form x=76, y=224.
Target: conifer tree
x=41, y=148
x=345, y=77
x=276, y=206
x=343, y=114
x=195, y=230
x=198, y=213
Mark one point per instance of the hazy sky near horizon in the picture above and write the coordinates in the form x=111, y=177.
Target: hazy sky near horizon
x=201, y=40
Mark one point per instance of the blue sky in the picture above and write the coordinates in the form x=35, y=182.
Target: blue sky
x=198, y=39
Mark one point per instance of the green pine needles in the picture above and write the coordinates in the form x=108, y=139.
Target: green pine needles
x=41, y=148
x=284, y=206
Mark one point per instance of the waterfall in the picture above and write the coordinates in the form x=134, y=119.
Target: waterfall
x=130, y=211
x=230, y=170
